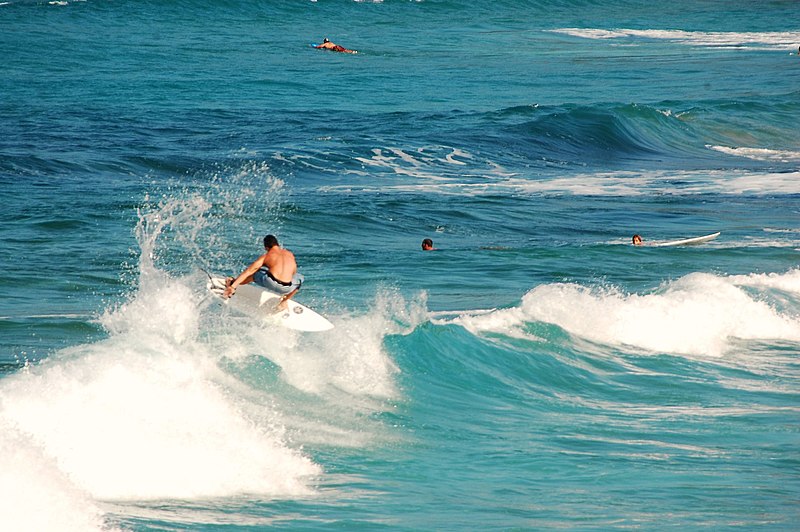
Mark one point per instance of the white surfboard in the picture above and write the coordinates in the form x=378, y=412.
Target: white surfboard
x=688, y=241
x=256, y=301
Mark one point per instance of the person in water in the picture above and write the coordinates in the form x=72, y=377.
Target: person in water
x=275, y=270
x=427, y=245
x=328, y=45
x=637, y=240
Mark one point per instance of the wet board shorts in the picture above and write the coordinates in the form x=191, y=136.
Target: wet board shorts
x=264, y=278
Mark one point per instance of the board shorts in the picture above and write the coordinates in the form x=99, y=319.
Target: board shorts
x=264, y=278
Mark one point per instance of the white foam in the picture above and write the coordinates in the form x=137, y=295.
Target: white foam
x=760, y=154
x=700, y=314
x=694, y=38
x=451, y=157
x=756, y=183
x=402, y=163
x=35, y=494
x=141, y=416
x=790, y=240
x=676, y=183
x=505, y=321
x=786, y=282
x=67, y=316
x=349, y=358
x=430, y=163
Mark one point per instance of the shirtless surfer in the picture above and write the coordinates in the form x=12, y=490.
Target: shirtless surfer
x=328, y=45
x=275, y=270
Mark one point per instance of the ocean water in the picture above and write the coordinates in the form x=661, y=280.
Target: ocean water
x=534, y=372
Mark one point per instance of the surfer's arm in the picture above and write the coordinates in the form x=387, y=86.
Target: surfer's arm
x=245, y=277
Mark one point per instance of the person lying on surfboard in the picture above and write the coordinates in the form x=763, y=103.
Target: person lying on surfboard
x=328, y=45
x=275, y=270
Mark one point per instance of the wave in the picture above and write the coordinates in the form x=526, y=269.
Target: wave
x=673, y=133
x=599, y=134
x=502, y=149
x=700, y=315
x=471, y=147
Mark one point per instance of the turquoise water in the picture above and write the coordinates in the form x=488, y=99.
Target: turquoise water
x=536, y=371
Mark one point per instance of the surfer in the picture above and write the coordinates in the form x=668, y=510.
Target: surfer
x=427, y=245
x=328, y=45
x=637, y=240
x=275, y=270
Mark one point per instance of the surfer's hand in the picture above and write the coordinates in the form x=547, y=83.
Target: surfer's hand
x=229, y=288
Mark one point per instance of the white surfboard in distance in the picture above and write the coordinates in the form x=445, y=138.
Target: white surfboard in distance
x=260, y=303
x=687, y=241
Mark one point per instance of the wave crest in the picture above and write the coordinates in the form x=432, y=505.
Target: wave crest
x=700, y=314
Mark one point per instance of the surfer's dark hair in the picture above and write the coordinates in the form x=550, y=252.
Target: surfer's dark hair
x=270, y=241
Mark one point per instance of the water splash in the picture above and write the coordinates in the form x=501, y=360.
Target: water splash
x=146, y=413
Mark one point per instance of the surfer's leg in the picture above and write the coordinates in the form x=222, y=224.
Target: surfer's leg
x=282, y=304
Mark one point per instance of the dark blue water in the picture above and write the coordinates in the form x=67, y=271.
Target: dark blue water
x=535, y=371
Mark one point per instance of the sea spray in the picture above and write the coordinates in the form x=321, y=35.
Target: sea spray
x=325, y=388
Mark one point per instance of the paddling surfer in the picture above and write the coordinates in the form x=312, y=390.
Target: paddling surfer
x=275, y=270
x=328, y=45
